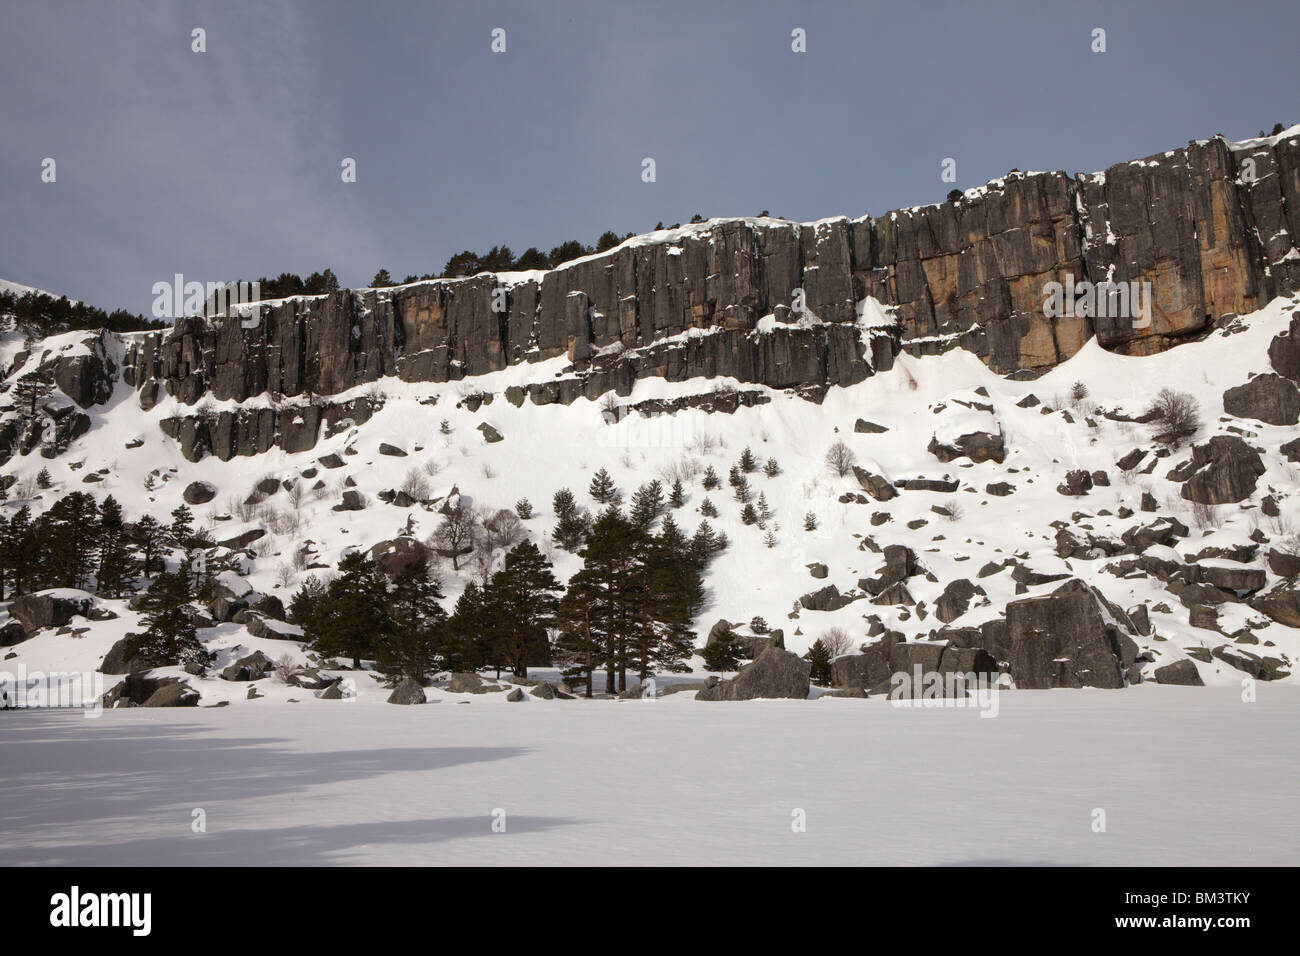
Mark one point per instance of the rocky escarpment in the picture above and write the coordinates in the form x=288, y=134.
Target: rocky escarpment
x=793, y=306
x=691, y=302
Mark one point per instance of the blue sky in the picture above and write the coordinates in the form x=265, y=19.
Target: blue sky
x=226, y=164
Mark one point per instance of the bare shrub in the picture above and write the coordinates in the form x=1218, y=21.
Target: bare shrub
x=685, y=470
x=415, y=485
x=284, y=575
x=502, y=529
x=953, y=510
x=432, y=467
x=837, y=641
x=1176, y=417
x=840, y=459
x=487, y=471
x=286, y=668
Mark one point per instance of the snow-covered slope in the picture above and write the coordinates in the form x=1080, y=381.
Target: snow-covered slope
x=765, y=572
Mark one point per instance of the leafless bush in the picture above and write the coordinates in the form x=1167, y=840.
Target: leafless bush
x=840, y=459
x=837, y=641
x=487, y=471
x=953, y=509
x=502, y=529
x=1205, y=516
x=1176, y=417
x=284, y=574
x=703, y=444
x=432, y=467
x=286, y=669
x=263, y=547
x=685, y=470
x=415, y=485
x=296, y=495
x=25, y=488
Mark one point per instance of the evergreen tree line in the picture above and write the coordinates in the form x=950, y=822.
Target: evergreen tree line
x=88, y=545
x=37, y=315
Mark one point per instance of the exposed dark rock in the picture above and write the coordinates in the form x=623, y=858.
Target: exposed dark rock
x=874, y=485
x=1077, y=482
x=1182, y=672
x=774, y=673
x=199, y=492
x=1268, y=398
x=47, y=609
x=977, y=446
x=408, y=691
x=1226, y=470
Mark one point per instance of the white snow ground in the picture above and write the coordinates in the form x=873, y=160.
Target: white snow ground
x=1185, y=776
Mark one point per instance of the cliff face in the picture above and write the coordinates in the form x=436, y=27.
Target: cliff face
x=716, y=299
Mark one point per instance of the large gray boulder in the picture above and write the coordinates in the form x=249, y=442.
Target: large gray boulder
x=253, y=667
x=408, y=691
x=977, y=446
x=774, y=673
x=1268, y=398
x=1182, y=672
x=1069, y=638
x=199, y=492
x=54, y=608
x=1223, y=470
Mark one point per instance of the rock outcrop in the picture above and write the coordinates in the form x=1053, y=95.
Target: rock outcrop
x=720, y=298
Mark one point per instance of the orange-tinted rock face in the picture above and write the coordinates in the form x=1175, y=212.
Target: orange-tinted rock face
x=1209, y=228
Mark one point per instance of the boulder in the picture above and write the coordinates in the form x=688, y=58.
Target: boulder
x=1284, y=564
x=773, y=674
x=864, y=427
x=978, y=446
x=1224, y=470
x=1182, y=672
x=900, y=564
x=1281, y=604
x=1077, y=482
x=253, y=667
x=828, y=598
x=875, y=485
x=12, y=633
x=467, y=682
x=352, y=501
x=955, y=600
x=53, y=608
x=392, y=451
x=1268, y=398
x=407, y=691
x=1284, y=351
x=490, y=434
x=199, y=492
x=1069, y=638
x=516, y=695
x=140, y=690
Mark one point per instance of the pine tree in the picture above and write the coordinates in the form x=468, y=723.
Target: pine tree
x=711, y=479
x=742, y=489
x=602, y=488
x=445, y=427
x=170, y=636
x=117, y=565
x=33, y=388
x=19, y=550
x=723, y=655
x=524, y=508
x=523, y=599
x=647, y=504
x=747, y=461
x=771, y=469
x=468, y=646
x=150, y=540
x=43, y=479
x=820, y=659
x=408, y=646
x=708, y=508
x=764, y=512
x=810, y=521
x=69, y=537
x=353, y=612
x=748, y=515
x=182, y=526
x=571, y=529
x=677, y=497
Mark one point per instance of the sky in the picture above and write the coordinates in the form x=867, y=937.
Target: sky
x=226, y=164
